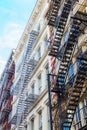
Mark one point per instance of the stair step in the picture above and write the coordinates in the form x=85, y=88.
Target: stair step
x=62, y=73
x=51, y=54
x=68, y=113
x=71, y=109
x=73, y=104
x=68, y=118
x=74, y=100
x=75, y=95
x=70, y=122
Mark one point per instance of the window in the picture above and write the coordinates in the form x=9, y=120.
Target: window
x=84, y=106
x=66, y=36
x=25, y=127
x=71, y=70
x=46, y=41
x=78, y=123
x=78, y=114
x=32, y=124
x=47, y=71
x=33, y=88
x=40, y=120
x=38, y=28
x=48, y=117
x=39, y=84
x=39, y=53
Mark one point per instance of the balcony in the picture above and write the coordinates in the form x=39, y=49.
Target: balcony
x=15, y=88
x=2, y=116
x=7, y=105
x=31, y=98
x=78, y=122
x=11, y=71
x=9, y=84
x=70, y=81
x=6, y=94
x=5, y=111
x=26, y=71
x=85, y=112
x=13, y=118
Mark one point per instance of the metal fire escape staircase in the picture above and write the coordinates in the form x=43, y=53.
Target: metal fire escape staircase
x=31, y=98
x=6, y=97
x=75, y=95
x=25, y=64
x=62, y=18
x=27, y=68
x=6, y=92
x=28, y=102
x=6, y=108
x=65, y=54
x=20, y=108
x=53, y=12
x=79, y=80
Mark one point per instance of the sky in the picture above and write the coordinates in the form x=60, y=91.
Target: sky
x=14, y=15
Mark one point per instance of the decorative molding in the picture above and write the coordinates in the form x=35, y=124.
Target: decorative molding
x=35, y=14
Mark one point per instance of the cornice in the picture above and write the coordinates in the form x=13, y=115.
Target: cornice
x=24, y=38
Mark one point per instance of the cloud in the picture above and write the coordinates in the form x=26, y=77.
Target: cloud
x=9, y=40
x=11, y=35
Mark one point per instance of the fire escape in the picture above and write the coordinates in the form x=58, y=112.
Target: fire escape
x=27, y=67
x=28, y=102
x=60, y=10
x=75, y=94
x=6, y=97
x=65, y=53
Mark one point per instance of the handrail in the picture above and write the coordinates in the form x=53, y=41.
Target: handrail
x=83, y=111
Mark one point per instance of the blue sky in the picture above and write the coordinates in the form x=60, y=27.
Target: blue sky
x=14, y=15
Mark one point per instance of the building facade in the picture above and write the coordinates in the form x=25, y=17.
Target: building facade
x=66, y=86
x=49, y=85
x=32, y=66
x=6, y=82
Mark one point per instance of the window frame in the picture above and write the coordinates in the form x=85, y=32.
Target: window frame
x=32, y=124
x=40, y=119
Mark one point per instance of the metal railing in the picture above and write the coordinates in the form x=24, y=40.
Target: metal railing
x=12, y=118
x=78, y=121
